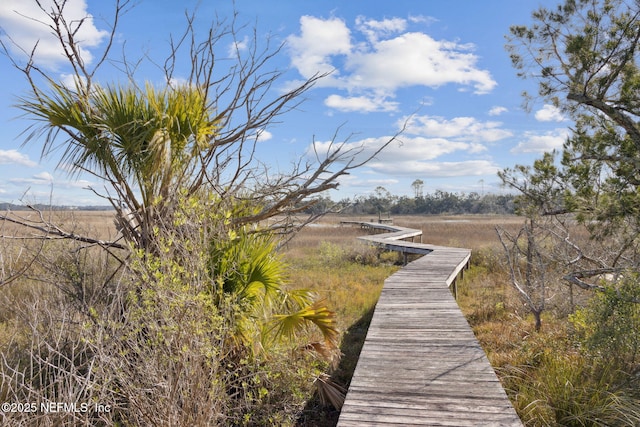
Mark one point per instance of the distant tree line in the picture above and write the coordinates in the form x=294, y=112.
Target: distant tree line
x=381, y=202
x=440, y=202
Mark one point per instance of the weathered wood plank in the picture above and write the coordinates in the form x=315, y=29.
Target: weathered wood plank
x=421, y=363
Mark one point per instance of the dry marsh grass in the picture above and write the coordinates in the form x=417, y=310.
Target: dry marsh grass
x=324, y=256
x=500, y=320
x=484, y=296
x=327, y=258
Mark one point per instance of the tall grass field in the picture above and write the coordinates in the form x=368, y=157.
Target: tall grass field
x=551, y=375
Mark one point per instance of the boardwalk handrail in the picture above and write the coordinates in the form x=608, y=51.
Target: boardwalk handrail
x=393, y=237
x=420, y=362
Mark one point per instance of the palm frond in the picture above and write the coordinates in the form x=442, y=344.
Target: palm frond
x=330, y=392
x=288, y=325
x=148, y=136
x=249, y=267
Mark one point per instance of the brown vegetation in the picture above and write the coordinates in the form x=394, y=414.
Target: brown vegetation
x=552, y=375
x=348, y=276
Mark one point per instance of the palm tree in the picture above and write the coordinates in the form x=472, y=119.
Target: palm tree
x=160, y=148
x=147, y=143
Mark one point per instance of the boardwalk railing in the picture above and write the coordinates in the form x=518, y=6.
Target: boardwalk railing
x=421, y=363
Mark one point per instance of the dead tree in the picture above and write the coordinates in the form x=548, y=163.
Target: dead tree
x=149, y=164
x=527, y=267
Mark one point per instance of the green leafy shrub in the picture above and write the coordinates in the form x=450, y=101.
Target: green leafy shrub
x=609, y=326
x=200, y=330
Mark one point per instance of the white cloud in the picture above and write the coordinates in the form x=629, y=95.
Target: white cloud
x=425, y=139
x=413, y=168
x=497, y=110
x=319, y=40
x=354, y=181
x=416, y=59
x=540, y=143
x=389, y=59
x=549, y=113
x=263, y=135
x=44, y=176
x=363, y=104
x=422, y=19
x=44, y=186
x=80, y=183
x=422, y=148
x=404, y=151
x=458, y=128
x=15, y=157
x=72, y=81
x=41, y=178
x=239, y=46
x=25, y=23
x=373, y=29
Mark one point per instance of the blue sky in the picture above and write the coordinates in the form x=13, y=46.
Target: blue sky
x=441, y=62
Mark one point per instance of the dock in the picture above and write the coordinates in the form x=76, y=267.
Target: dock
x=421, y=363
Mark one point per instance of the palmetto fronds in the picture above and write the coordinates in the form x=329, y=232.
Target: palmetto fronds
x=249, y=270
x=148, y=138
x=319, y=315
x=330, y=392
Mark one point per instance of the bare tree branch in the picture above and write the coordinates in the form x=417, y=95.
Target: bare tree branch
x=52, y=231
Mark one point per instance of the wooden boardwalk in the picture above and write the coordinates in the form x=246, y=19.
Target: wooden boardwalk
x=421, y=363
